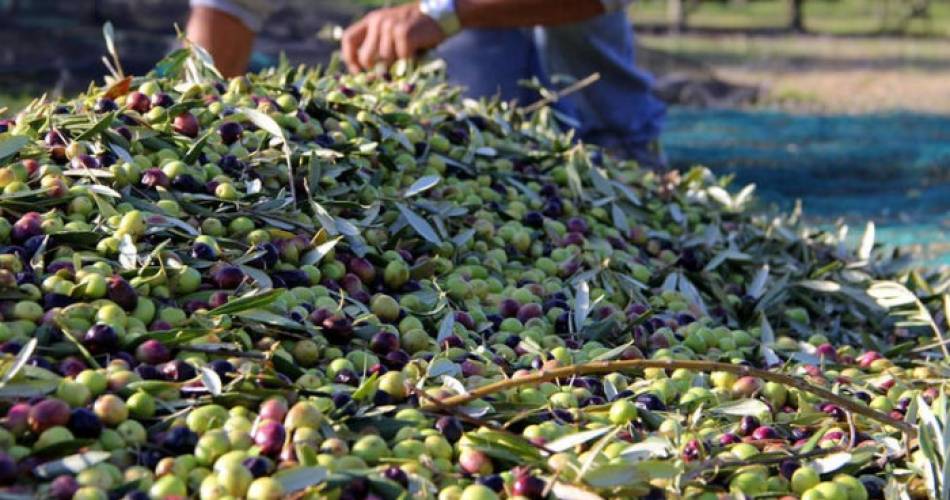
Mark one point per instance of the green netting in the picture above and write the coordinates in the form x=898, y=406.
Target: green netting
x=893, y=168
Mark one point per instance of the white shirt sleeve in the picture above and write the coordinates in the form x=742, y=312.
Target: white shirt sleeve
x=251, y=13
x=614, y=5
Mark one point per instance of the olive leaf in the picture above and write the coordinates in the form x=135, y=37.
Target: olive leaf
x=366, y=389
x=581, y=305
x=101, y=125
x=259, y=277
x=22, y=358
x=27, y=389
x=211, y=380
x=743, y=408
x=300, y=478
x=423, y=184
x=128, y=253
x=419, y=224
x=570, y=441
x=314, y=256
x=613, y=476
x=445, y=327
x=72, y=464
x=831, y=463
x=867, y=242
x=12, y=144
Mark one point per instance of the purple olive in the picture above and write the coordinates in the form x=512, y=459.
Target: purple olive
x=509, y=308
x=228, y=277
x=450, y=428
x=16, y=419
x=259, y=466
x=269, y=436
x=100, y=339
x=729, y=438
x=54, y=300
x=384, y=343
x=177, y=370
x=203, y=251
x=230, y=132
x=529, y=311
x=47, y=413
x=337, y=329
x=396, y=360
x=218, y=299
x=152, y=352
x=577, y=225
x=187, y=183
x=55, y=137
x=186, y=124
x=71, y=366
x=63, y=487
x=693, y=450
x=122, y=293
x=764, y=432
x=138, y=102
x=529, y=486
x=273, y=409
x=104, y=105
x=84, y=161
x=148, y=372
x=747, y=425
x=363, y=269
x=180, y=440
x=396, y=475
x=292, y=278
x=534, y=219
x=84, y=423
x=827, y=351
x=154, y=177
x=650, y=402
x=27, y=226
x=788, y=467
x=465, y=319
x=8, y=469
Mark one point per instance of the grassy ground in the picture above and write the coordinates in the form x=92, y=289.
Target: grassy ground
x=825, y=16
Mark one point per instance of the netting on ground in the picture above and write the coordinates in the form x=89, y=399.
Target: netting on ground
x=893, y=168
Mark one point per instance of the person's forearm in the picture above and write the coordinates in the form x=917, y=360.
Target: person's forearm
x=224, y=36
x=519, y=13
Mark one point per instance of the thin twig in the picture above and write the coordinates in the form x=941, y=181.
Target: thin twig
x=566, y=91
x=601, y=367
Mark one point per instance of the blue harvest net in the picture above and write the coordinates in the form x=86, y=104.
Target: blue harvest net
x=892, y=168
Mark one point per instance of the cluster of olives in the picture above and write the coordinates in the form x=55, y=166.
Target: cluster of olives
x=212, y=289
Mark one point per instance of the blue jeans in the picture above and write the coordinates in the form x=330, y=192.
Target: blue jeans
x=618, y=112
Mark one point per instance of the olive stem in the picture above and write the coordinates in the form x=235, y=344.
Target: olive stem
x=601, y=367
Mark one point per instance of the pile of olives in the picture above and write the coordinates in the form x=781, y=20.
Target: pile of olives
x=264, y=287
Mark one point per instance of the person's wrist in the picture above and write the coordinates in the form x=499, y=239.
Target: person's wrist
x=443, y=13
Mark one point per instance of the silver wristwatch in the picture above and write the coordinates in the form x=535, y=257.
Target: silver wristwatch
x=443, y=12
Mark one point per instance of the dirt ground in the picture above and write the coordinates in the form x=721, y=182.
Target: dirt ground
x=821, y=74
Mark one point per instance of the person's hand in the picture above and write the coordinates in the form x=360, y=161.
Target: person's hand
x=386, y=35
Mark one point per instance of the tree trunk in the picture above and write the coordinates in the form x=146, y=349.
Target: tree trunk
x=796, y=21
x=676, y=13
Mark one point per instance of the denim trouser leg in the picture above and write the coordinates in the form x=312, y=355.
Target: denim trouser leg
x=618, y=111
x=491, y=62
